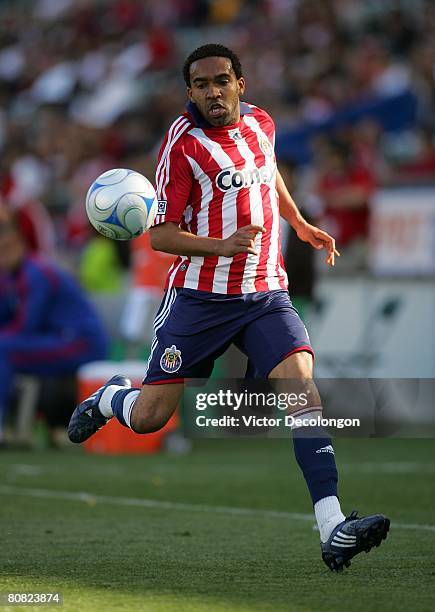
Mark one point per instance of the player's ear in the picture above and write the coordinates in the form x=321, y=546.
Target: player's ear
x=189, y=94
x=242, y=85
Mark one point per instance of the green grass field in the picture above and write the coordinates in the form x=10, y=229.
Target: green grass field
x=226, y=527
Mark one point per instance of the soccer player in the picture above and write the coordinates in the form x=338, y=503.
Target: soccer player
x=220, y=199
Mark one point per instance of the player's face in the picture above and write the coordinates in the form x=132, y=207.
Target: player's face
x=215, y=90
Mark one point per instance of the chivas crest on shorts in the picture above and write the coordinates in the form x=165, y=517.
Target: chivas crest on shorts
x=171, y=361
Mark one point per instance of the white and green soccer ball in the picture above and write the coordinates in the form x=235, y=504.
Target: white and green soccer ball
x=121, y=204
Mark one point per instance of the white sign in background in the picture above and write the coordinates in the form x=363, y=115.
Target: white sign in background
x=402, y=232
x=374, y=328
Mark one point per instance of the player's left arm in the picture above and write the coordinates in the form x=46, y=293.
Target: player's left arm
x=318, y=238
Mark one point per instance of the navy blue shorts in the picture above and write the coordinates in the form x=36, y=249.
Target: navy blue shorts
x=193, y=328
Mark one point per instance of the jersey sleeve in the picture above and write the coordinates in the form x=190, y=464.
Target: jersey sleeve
x=174, y=180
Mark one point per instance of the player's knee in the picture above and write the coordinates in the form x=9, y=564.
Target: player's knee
x=147, y=419
x=303, y=365
x=304, y=360
x=298, y=366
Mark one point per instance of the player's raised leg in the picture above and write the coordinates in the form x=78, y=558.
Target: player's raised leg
x=341, y=538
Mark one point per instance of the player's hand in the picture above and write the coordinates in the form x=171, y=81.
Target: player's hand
x=241, y=241
x=319, y=240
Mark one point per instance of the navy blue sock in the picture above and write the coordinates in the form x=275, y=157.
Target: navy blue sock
x=119, y=408
x=315, y=456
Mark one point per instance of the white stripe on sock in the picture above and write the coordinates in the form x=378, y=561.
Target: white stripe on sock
x=105, y=403
x=304, y=415
x=127, y=405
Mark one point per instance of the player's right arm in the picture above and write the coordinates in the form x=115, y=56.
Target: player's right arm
x=174, y=181
x=170, y=238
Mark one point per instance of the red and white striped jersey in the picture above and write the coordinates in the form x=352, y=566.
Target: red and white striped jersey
x=213, y=181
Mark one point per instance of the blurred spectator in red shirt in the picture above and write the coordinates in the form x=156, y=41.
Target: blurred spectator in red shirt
x=32, y=218
x=365, y=140
x=23, y=180
x=345, y=189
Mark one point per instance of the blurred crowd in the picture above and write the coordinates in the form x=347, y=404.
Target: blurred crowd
x=86, y=85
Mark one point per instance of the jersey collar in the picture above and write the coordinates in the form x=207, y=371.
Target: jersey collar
x=201, y=122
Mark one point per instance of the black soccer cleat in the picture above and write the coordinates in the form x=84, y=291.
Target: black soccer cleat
x=87, y=418
x=352, y=536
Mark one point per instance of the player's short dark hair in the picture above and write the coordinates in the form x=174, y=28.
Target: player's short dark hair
x=211, y=50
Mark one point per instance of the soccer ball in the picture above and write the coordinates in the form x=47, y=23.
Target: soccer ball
x=121, y=204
